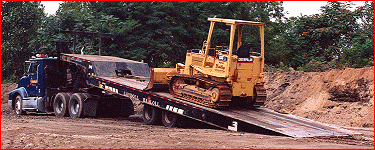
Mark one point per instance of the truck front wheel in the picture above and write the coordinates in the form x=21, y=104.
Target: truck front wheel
x=76, y=105
x=18, y=106
x=60, y=104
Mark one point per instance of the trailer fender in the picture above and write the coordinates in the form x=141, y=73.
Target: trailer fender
x=12, y=95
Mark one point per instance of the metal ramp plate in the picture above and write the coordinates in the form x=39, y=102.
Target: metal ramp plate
x=286, y=124
x=268, y=119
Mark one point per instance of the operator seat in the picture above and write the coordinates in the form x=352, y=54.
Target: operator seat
x=243, y=51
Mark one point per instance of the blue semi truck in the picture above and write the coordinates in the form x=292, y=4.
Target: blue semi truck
x=51, y=84
x=31, y=88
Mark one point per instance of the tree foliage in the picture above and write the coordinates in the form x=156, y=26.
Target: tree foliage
x=20, y=21
x=160, y=32
x=335, y=35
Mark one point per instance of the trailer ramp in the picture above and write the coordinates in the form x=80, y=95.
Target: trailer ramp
x=267, y=119
x=286, y=124
x=130, y=78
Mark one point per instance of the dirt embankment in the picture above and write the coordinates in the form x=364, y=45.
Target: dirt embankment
x=5, y=90
x=340, y=97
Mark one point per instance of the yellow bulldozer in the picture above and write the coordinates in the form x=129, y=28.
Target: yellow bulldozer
x=215, y=77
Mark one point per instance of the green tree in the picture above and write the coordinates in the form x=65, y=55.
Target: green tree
x=20, y=21
x=361, y=53
x=322, y=38
x=167, y=29
x=155, y=32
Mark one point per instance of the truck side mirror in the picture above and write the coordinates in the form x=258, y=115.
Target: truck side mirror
x=26, y=67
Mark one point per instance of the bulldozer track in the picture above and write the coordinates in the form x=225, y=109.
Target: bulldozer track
x=260, y=95
x=199, y=96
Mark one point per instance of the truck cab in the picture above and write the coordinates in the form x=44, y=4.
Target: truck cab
x=32, y=87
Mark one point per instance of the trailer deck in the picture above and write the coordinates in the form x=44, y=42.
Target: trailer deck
x=285, y=124
x=251, y=120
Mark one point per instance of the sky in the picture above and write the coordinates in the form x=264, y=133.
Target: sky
x=294, y=8
x=50, y=7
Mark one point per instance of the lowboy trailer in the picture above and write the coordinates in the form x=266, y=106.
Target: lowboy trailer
x=91, y=85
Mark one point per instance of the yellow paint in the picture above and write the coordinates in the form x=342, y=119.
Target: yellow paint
x=223, y=67
x=33, y=81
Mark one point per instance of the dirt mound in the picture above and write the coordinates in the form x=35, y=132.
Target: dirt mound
x=341, y=97
x=5, y=90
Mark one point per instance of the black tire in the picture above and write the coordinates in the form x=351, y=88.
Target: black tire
x=150, y=115
x=60, y=105
x=169, y=119
x=18, y=105
x=76, y=105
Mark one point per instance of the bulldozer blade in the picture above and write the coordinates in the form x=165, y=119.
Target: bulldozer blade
x=159, y=79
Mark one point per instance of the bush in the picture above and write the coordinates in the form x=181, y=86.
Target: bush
x=278, y=67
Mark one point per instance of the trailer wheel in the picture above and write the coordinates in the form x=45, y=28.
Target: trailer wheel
x=60, y=105
x=18, y=106
x=150, y=114
x=76, y=105
x=169, y=119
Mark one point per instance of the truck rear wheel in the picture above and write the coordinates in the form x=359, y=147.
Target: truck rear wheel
x=169, y=119
x=76, y=105
x=60, y=105
x=18, y=106
x=150, y=115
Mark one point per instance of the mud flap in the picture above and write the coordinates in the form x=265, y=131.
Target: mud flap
x=127, y=108
x=89, y=107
